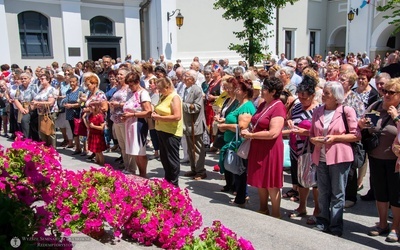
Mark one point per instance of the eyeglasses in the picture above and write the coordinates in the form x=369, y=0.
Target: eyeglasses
x=43, y=78
x=389, y=92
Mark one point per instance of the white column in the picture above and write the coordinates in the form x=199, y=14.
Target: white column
x=72, y=30
x=132, y=31
x=168, y=33
x=359, y=30
x=4, y=43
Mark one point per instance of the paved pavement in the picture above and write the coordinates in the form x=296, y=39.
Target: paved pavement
x=263, y=231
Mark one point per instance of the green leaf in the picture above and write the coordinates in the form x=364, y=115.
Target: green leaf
x=256, y=15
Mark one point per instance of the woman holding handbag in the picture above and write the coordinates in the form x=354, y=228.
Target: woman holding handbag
x=46, y=105
x=239, y=118
x=299, y=124
x=230, y=104
x=73, y=110
x=265, y=167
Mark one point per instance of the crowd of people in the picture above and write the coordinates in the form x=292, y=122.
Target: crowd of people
x=315, y=104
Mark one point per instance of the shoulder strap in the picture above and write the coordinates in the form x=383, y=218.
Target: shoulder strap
x=266, y=110
x=345, y=121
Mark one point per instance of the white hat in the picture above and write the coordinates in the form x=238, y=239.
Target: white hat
x=60, y=73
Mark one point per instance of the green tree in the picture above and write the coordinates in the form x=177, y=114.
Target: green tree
x=256, y=15
x=392, y=5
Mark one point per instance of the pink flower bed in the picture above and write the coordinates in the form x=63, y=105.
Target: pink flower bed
x=148, y=211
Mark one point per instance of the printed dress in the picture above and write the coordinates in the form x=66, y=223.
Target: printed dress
x=136, y=128
x=96, y=141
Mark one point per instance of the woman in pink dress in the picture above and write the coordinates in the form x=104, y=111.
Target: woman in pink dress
x=136, y=109
x=265, y=167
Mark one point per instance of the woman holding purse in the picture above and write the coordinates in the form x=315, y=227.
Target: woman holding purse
x=46, y=105
x=299, y=123
x=230, y=104
x=265, y=167
x=239, y=119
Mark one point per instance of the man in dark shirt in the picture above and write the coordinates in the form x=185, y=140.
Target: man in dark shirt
x=393, y=66
x=104, y=81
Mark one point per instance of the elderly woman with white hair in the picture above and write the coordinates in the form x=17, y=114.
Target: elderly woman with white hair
x=285, y=74
x=333, y=155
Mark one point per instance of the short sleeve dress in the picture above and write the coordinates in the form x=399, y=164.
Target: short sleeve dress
x=96, y=141
x=233, y=118
x=265, y=167
x=136, y=128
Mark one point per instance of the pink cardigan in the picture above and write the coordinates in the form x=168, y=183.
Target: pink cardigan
x=336, y=152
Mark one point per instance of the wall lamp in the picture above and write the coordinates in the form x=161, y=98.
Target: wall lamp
x=351, y=14
x=178, y=18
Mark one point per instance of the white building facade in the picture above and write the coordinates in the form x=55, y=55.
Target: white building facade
x=311, y=27
x=39, y=32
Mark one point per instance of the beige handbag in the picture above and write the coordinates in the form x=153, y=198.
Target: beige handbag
x=47, y=124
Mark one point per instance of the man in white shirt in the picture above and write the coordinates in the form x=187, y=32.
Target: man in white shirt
x=296, y=79
x=365, y=59
x=170, y=70
x=282, y=61
x=196, y=59
x=200, y=77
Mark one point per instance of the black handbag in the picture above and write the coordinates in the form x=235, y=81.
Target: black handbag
x=358, y=148
x=371, y=140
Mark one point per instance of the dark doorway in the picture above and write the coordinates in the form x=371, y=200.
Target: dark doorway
x=98, y=53
x=98, y=46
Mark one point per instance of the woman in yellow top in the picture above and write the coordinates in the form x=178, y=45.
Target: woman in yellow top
x=169, y=126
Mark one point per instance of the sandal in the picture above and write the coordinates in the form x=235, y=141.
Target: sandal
x=290, y=193
x=312, y=220
x=295, y=198
x=392, y=237
x=376, y=230
x=266, y=212
x=296, y=213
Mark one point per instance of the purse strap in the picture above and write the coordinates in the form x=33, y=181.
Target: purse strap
x=345, y=121
x=306, y=145
x=47, y=110
x=266, y=110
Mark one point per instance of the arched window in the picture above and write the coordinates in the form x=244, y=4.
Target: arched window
x=101, y=26
x=34, y=34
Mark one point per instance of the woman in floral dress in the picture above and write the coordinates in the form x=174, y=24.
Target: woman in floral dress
x=136, y=109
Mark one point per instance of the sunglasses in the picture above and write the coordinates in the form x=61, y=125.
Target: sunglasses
x=389, y=92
